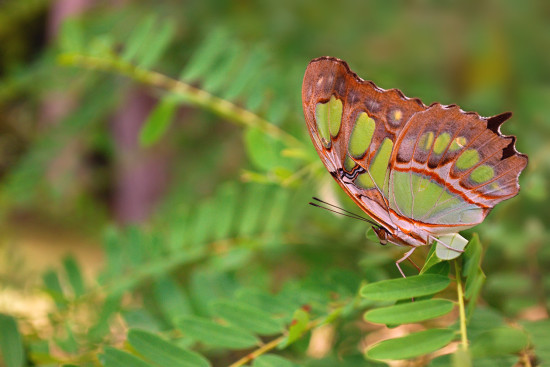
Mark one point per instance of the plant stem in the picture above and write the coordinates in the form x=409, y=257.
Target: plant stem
x=460, y=296
x=189, y=94
x=269, y=346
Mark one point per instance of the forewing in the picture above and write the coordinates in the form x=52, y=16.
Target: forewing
x=353, y=125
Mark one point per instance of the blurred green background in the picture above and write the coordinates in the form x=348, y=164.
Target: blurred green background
x=79, y=171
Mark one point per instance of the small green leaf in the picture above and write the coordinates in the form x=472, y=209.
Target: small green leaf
x=431, y=259
x=74, y=275
x=117, y=358
x=297, y=328
x=499, y=342
x=540, y=337
x=139, y=38
x=414, y=286
x=266, y=301
x=11, y=343
x=171, y=298
x=71, y=37
x=247, y=317
x=158, y=121
x=53, y=287
x=272, y=360
x=162, y=352
x=410, y=312
x=412, y=345
x=205, y=57
x=211, y=333
x=454, y=241
x=472, y=257
x=156, y=45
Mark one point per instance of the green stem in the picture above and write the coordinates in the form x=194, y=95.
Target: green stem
x=460, y=296
x=189, y=94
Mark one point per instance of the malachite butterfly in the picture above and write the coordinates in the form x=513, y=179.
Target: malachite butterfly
x=422, y=173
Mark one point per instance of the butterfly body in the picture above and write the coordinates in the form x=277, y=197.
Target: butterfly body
x=420, y=172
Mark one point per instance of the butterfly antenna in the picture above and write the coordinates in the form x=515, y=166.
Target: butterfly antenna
x=341, y=211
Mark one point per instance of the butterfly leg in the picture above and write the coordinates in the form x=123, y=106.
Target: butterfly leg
x=405, y=257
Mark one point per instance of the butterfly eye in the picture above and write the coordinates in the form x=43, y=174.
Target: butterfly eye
x=382, y=234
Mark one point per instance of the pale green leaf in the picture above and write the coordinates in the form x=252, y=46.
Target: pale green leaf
x=162, y=352
x=453, y=242
x=214, y=334
x=410, y=287
x=11, y=343
x=499, y=342
x=272, y=360
x=112, y=357
x=158, y=121
x=410, y=312
x=247, y=317
x=412, y=345
x=74, y=275
x=298, y=327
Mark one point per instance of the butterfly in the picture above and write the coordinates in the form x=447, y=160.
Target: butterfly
x=421, y=173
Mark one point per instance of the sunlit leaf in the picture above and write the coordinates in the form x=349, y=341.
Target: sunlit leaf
x=499, y=342
x=410, y=312
x=11, y=343
x=158, y=121
x=211, y=333
x=112, y=357
x=412, y=345
x=74, y=275
x=272, y=360
x=414, y=286
x=162, y=352
x=247, y=317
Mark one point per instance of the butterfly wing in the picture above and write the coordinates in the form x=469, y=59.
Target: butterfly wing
x=353, y=125
x=450, y=168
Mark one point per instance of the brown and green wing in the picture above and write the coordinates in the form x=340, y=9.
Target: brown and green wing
x=450, y=168
x=354, y=125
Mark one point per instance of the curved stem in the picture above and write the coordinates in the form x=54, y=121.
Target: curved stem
x=460, y=297
x=189, y=94
x=269, y=346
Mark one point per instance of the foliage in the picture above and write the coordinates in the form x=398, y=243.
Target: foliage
x=233, y=268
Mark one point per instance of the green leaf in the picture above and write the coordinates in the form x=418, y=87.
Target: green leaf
x=157, y=44
x=272, y=360
x=171, y=298
x=414, y=286
x=11, y=343
x=410, y=312
x=211, y=333
x=204, y=58
x=158, y=121
x=472, y=257
x=162, y=352
x=454, y=241
x=266, y=301
x=499, y=342
x=539, y=332
x=247, y=317
x=117, y=358
x=412, y=345
x=298, y=327
x=71, y=37
x=263, y=150
x=139, y=38
x=74, y=276
x=53, y=287
x=251, y=69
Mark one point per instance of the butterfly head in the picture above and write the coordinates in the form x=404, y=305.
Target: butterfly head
x=382, y=233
